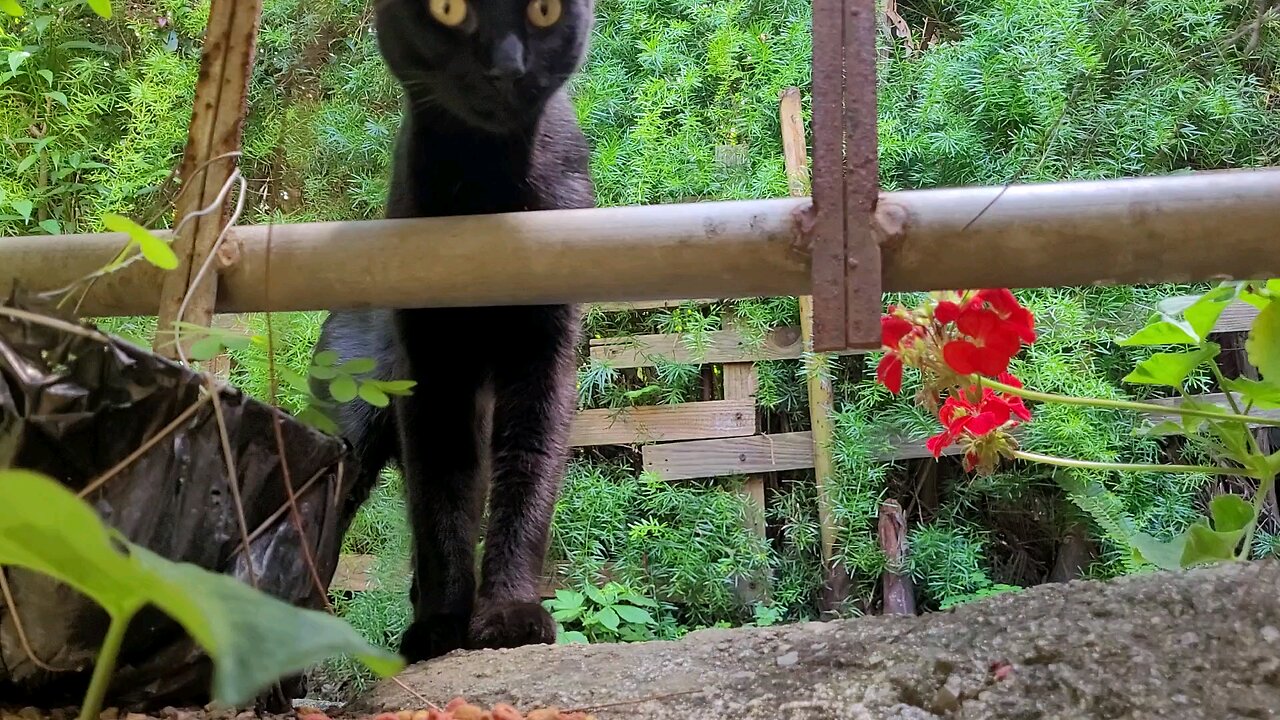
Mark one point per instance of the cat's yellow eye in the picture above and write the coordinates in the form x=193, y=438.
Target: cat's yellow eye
x=544, y=13
x=449, y=13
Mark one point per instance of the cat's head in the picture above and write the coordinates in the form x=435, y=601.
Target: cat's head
x=490, y=63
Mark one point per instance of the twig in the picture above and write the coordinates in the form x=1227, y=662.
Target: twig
x=144, y=447
x=22, y=633
x=651, y=698
x=284, y=508
x=415, y=693
x=233, y=478
x=54, y=323
x=213, y=254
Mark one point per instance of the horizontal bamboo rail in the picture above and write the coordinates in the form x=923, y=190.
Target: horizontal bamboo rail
x=1178, y=228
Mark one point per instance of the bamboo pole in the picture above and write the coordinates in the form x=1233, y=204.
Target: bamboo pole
x=213, y=138
x=1162, y=229
x=821, y=404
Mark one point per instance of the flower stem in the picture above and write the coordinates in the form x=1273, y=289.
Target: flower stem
x=105, y=667
x=1259, y=496
x=1126, y=405
x=1128, y=467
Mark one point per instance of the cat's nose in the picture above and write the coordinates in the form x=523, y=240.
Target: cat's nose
x=508, y=59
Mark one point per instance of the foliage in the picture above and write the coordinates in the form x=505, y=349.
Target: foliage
x=611, y=613
x=252, y=638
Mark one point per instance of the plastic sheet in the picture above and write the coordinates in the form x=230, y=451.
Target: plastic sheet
x=74, y=404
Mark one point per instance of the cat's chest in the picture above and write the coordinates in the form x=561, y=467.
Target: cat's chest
x=462, y=179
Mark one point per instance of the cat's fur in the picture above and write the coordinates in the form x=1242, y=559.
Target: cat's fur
x=487, y=128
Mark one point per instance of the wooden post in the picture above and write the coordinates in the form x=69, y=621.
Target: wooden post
x=741, y=383
x=213, y=141
x=821, y=405
x=899, y=591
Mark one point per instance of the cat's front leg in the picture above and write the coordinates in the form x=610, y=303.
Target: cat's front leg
x=440, y=456
x=533, y=409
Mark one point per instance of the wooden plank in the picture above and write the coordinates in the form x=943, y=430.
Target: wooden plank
x=648, y=305
x=722, y=346
x=1218, y=399
x=741, y=383
x=1237, y=317
x=664, y=423
x=355, y=574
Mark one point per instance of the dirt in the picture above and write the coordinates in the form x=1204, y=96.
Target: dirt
x=1198, y=644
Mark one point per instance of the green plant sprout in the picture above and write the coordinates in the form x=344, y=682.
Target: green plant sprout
x=611, y=613
x=252, y=638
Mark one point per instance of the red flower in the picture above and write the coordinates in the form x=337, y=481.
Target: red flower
x=894, y=329
x=946, y=312
x=962, y=418
x=889, y=372
x=992, y=341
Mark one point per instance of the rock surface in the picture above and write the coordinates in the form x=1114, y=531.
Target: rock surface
x=1200, y=644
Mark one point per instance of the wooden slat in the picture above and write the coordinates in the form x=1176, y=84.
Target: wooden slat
x=755, y=454
x=355, y=574
x=648, y=305
x=722, y=346
x=664, y=423
x=1237, y=317
x=741, y=384
x=1218, y=399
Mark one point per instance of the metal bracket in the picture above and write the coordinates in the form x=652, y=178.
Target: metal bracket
x=846, y=283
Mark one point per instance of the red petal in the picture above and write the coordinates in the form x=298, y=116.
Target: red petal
x=977, y=322
x=938, y=443
x=946, y=312
x=982, y=424
x=961, y=356
x=971, y=461
x=889, y=372
x=1001, y=299
x=1008, y=379
x=989, y=361
x=1018, y=408
x=893, y=329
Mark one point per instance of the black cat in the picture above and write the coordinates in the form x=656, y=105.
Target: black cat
x=487, y=128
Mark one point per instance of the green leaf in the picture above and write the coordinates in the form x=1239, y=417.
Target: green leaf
x=327, y=358
x=252, y=638
x=343, y=388
x=373, y=395
x=1263, y=343
x=567, y=599
x=206, y=348
x=102, y=7
x=566, y=614
x=395, y=387
x=1205, y=546
x=24, y=166
x=574, y=637
x=318, y=420
x=1230, y=513
x=59, y=97
x=1162, y=332
x=321, y=372
x=1164, y=555
x=596, y=596
x=24, y=208
x=294, y=379
x=51, y=226
x=358, y=366
x=156, y=251
x=635, y=615
x=608, y=618
x=46, y=74
x=1170, y=368
x=16, y=58
x=640, y=600
x=11, y=7
x=1261, y=394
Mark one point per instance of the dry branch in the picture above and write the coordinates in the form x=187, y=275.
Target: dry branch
x=1159, y=229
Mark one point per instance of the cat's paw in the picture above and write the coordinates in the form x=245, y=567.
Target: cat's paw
x=433, y=636
x=512, y=624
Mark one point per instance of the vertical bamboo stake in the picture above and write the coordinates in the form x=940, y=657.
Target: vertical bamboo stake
x=821, y=404
x=216, y=128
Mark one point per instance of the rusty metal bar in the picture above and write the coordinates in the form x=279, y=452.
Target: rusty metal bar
x=829, y=258
x=846, y=269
